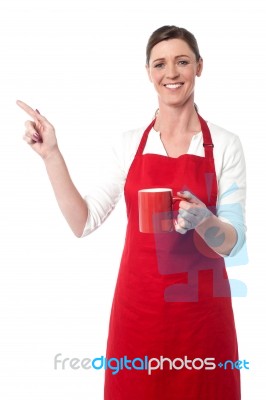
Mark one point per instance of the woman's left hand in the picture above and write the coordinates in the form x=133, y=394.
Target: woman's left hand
x=192, y=212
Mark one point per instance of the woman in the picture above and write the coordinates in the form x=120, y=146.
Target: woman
x=171, y=321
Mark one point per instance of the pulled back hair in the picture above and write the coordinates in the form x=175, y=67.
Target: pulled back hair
x=172, y=32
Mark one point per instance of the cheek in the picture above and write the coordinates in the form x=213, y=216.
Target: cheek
x=155, y=77
x=190, y=79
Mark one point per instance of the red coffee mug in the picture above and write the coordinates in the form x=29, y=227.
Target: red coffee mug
x=156, y=210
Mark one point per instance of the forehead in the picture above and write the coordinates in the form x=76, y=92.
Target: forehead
x=171, y=48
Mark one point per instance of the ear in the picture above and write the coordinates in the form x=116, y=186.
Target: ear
x=199, y=67
x=148, y=72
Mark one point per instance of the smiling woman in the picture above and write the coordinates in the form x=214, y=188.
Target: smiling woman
x=172, y=299
x=172, y=69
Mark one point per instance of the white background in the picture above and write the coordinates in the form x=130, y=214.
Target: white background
x=81, y=63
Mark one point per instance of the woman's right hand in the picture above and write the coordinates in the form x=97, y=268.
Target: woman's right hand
x=39, y=133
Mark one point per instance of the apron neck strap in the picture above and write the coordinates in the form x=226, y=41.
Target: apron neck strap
x=144, y=138
x=207, y=140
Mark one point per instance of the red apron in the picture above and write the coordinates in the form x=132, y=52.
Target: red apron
x=172, y=299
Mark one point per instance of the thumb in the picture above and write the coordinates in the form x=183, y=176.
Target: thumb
x=186, y=195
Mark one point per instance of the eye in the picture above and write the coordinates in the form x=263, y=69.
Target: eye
x=182, y=63
x=159, y=66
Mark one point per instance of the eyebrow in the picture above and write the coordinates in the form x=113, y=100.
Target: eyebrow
x=162, y=59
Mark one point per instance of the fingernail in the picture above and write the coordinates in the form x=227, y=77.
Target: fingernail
x=37, y=137
x=37, y=111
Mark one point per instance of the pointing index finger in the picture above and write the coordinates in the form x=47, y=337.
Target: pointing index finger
x=34, y=114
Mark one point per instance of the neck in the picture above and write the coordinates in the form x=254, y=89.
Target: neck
x=173, y=121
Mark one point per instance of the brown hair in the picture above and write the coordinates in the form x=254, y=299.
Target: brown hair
x=172, y=32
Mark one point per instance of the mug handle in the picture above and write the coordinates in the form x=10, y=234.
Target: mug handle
x=175, y=198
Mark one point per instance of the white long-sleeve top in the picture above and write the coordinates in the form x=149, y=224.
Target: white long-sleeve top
x=229, y=165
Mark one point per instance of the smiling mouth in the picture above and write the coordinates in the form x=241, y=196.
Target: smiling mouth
x=173, y=85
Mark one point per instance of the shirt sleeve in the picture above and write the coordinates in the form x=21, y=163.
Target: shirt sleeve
x=102, y=198
x=232, y=190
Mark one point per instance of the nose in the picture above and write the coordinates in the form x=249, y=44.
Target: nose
x=172, y=71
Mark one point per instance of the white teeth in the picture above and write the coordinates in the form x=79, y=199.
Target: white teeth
x=173, y=86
